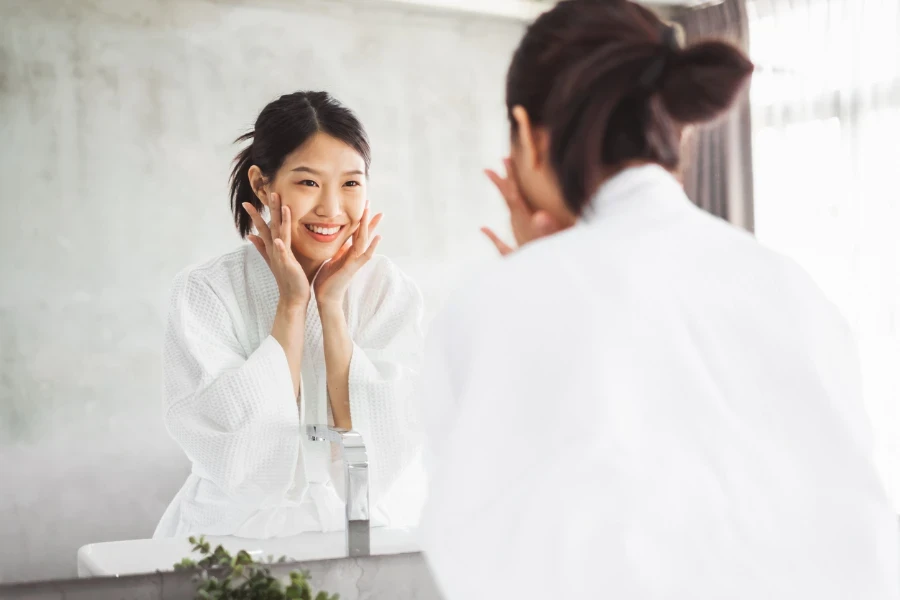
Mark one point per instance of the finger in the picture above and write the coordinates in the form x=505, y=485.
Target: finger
x=259, y=223
x=499, y=183
x=361, y=242
x=285, y=230
x=508, y=190
x=375, y=221
x=515, y=197
x=275, y=214
x=491, y=235
x=502, y=247
x=355, y=228
x=281, y=249
x=260, y=247
x=507, y=166
x=371, y=251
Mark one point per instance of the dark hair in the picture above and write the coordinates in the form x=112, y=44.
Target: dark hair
x=609, y=82
x=283, y=126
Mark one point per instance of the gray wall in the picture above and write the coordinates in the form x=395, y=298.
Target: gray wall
x=116, y=122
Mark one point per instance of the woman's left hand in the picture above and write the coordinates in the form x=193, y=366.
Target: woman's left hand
x=334, y=277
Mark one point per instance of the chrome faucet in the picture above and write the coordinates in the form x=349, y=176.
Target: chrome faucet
x=356, y=483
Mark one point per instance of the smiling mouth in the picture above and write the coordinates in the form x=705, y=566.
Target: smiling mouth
x=322, y=233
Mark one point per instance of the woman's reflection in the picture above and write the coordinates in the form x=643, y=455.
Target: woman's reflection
x=311, y=319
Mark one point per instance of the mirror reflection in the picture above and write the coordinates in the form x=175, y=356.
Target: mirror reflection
x=142, y=393
x=307, y=318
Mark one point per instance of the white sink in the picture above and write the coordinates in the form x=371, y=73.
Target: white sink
x=147, y=556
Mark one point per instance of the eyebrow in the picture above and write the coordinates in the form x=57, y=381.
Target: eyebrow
x=311, y=171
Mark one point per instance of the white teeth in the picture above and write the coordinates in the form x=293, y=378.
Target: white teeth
x=323, y=230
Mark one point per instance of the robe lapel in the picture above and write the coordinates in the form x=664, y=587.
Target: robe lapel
x=262, y=296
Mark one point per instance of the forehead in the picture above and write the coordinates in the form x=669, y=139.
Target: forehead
x=325, y=153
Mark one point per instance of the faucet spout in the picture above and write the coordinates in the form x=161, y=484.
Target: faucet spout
x=356, y=483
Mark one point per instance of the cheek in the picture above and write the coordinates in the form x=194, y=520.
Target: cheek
x=299, y=199
x=355, y=206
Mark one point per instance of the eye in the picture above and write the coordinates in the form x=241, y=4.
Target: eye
x=352, y=183
x=308, y=183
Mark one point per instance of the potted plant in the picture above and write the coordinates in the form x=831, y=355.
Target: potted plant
x=220, y=576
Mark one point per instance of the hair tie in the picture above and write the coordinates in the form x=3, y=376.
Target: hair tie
x=654, y=72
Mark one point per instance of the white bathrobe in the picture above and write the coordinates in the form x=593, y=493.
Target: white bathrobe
x=229, y=400
x=650, y=406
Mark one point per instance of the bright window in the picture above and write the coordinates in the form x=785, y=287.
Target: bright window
x=826, y=156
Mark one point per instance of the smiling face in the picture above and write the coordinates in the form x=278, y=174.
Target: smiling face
x=323, y=182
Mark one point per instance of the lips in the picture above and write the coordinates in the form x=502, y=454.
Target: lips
x=323, y=233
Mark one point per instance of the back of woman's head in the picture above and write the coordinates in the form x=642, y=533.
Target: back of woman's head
x=283, y=126
x=611, y=85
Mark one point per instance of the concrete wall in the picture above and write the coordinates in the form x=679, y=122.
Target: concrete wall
x=116, y=122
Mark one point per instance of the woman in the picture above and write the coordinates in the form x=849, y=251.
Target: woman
x=647, y=404
x=305, y=326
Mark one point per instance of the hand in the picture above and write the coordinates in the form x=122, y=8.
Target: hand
x=527, y=224
x=274, y=243
x=334, y=277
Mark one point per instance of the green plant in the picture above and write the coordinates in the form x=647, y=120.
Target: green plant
x=221, y=576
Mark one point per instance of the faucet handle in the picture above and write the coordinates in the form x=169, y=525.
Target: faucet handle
x=317, y=433
x=347, y=438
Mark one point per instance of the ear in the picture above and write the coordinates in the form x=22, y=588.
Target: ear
x=258, y=184
x=533, y=141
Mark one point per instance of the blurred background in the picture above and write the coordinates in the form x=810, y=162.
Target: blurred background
x=117, y=119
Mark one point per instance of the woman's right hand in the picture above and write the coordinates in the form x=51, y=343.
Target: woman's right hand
x=527, y=224
x=274, y=243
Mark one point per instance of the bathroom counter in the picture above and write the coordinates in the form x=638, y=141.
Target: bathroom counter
x=147, y=556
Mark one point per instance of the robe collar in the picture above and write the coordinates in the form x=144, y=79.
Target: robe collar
x=647, y=190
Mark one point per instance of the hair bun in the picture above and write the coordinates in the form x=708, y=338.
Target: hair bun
x=704, y=80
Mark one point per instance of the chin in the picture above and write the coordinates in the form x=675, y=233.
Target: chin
x=315, y=254
x=318, y=251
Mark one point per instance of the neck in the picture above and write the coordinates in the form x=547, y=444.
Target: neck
x=309, y=266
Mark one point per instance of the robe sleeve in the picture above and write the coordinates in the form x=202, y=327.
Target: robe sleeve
x=387, y=354
x=234, y=415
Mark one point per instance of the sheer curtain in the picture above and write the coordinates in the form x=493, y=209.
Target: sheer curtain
x=826, y=158
x=717, y=157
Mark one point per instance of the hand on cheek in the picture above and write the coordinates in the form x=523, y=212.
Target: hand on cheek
x=335, y=275
x=527, y=224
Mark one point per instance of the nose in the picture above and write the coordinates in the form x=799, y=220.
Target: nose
x=329, y=205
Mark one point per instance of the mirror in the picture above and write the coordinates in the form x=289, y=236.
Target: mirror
x=118, y=128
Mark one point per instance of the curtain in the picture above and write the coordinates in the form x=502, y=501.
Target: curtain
x=826, y=140
x=716, y=160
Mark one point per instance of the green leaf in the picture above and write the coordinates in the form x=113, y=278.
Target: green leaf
x=223, y=577
x=292, y=593
x=186, y=563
